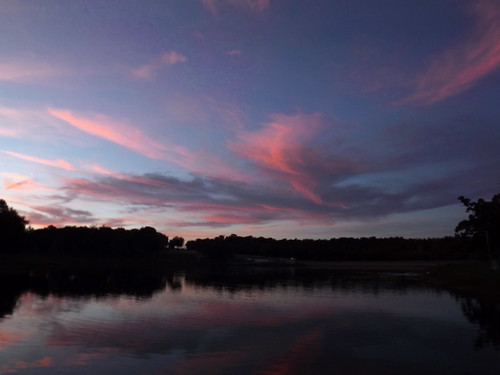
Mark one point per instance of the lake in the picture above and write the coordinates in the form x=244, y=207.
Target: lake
x=242, y=320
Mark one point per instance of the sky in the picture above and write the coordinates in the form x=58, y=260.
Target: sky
x=274, y=118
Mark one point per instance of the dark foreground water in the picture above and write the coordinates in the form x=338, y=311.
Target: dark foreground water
x=242, y=321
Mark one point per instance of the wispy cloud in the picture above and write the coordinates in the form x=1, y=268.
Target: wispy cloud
x=131, y=178
x=252, y=5
x=282, y=149
x=28, y=71
x=16, y=181
x=235, y=52
x=43, y=205
x=210, y=203
x=60, y=163
x=30, y=123
x=201, y=201
x=129, y=136
x=149, y=70
x=298, y=183
x=168, y=202
x=58, y=215
x=14, y=366
x=459, y=67
x=120, y=133
x=8, y=339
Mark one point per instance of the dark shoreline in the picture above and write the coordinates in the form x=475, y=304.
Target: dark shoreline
x=473, y=279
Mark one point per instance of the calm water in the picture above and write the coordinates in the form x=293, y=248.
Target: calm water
x=242, y=321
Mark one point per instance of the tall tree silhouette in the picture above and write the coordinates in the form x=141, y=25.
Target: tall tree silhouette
x=12, y=227
x=483, y=222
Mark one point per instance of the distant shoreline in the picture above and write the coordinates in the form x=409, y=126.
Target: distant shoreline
x=8, y=262
x=472, y=278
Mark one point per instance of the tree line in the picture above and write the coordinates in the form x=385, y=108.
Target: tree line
x=476, y=237
x=336, y=249
x=96, y=241
x=17, y=238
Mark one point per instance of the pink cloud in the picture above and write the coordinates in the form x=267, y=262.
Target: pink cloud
x=172, y=57
x=281, y=147
x=9, y=339
x=103, y=127
x=14, y=366
x=148, y=71
x=252, y=5
x=197, y=203
x=15, y=181
x=132, y=138
x=235, y=52
x=60, y=214
x=459, y=67
x=53, y=163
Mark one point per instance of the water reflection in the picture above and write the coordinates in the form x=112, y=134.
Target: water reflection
x=235, y=279
x=240, y=320
x=487, y=316
x=80, y=285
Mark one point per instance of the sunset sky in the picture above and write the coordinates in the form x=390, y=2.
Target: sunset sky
x=274, y=118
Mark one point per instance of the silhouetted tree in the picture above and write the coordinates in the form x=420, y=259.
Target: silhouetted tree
x=483, y=222
x=335, y=249
x=12, y=226
x=176, y=242
x=98, y=241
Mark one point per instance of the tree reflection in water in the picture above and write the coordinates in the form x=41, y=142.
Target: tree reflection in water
x=143, y=285
x=65, y=283
x=487, y=316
